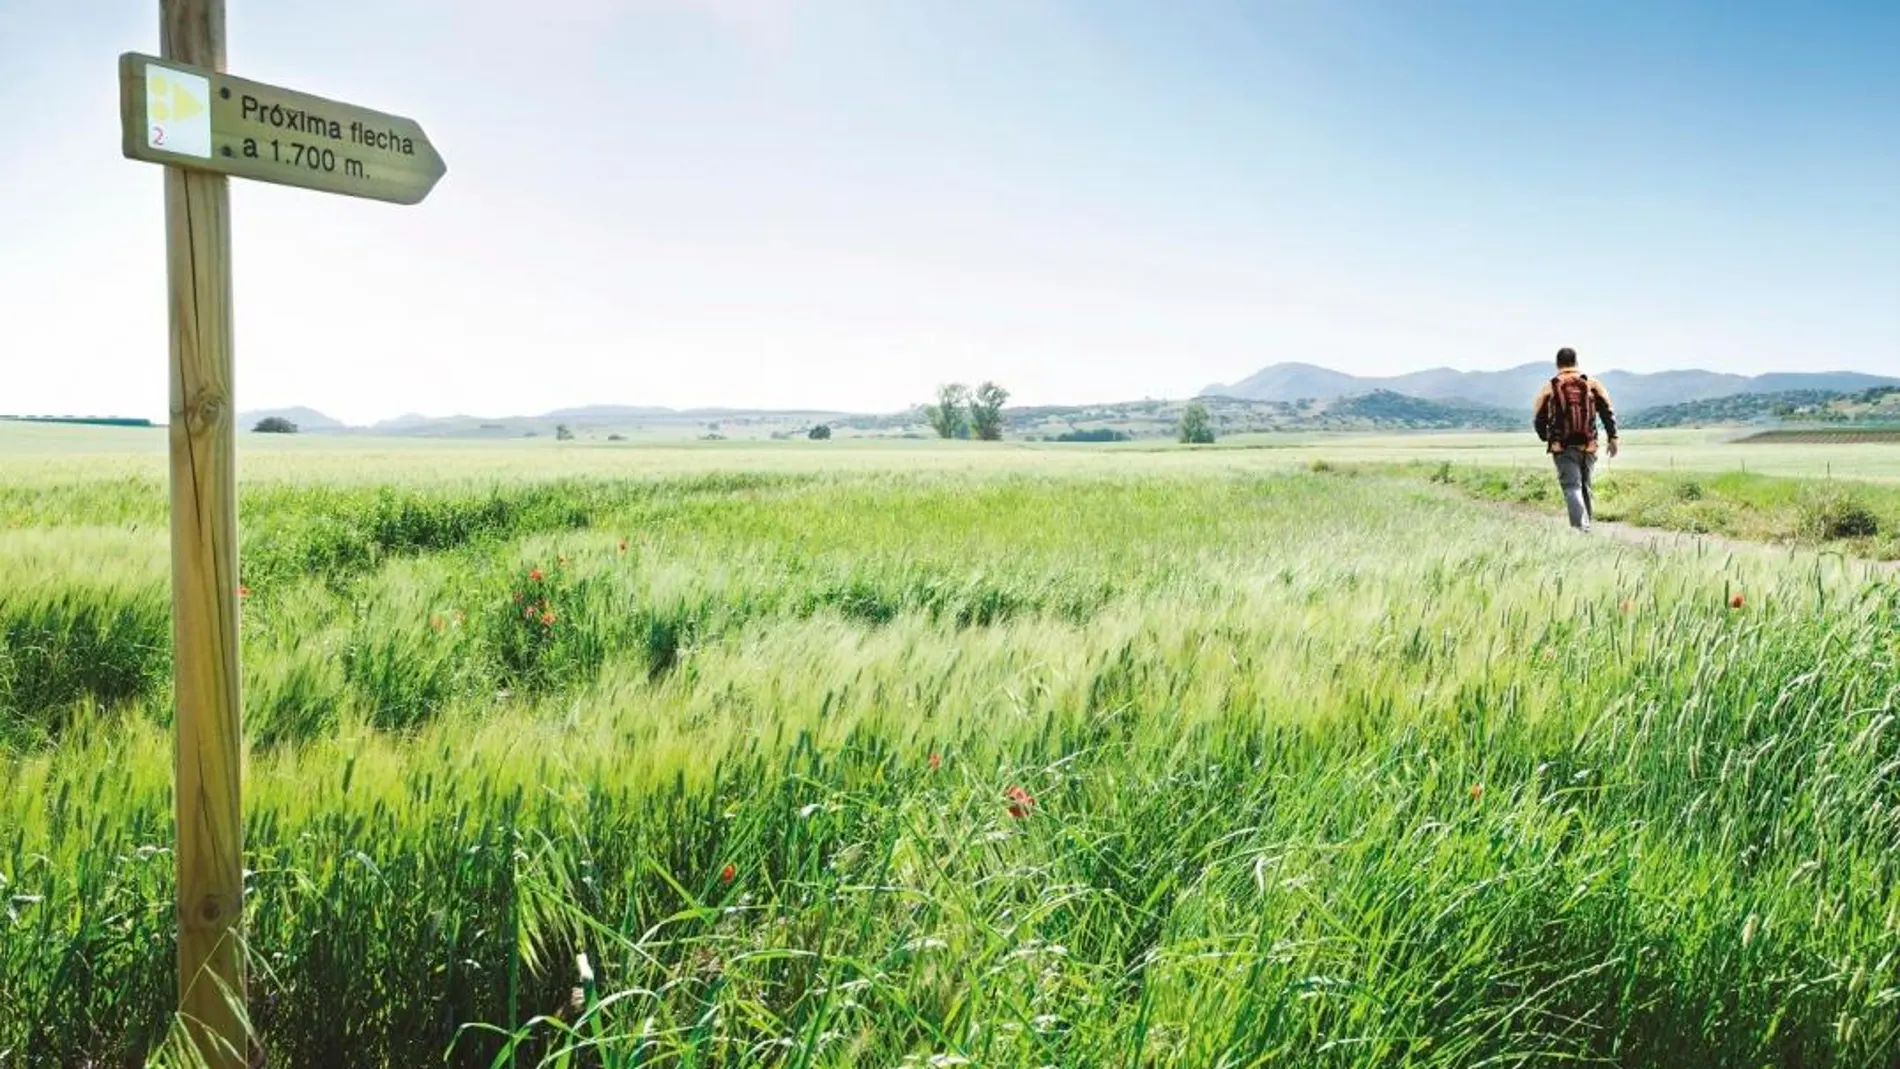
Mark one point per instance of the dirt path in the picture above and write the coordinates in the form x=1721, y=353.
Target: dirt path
x=1660, y=538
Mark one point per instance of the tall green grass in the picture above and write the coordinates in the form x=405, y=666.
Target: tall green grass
x=978, y=769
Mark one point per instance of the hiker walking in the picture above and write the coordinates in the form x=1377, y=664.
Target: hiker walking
x=1567, y=411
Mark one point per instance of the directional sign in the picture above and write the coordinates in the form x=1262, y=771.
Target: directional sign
x=187, y=116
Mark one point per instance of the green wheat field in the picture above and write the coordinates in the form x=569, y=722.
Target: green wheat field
x=919, y=756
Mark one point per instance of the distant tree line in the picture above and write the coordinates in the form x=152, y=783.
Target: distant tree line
x=1737, y=408
x=961, y=412
x=1386, y=408
x=964, y=413
x=90, y=421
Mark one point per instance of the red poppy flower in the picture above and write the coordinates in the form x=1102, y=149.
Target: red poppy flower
x=1020, y=802
x=534, y=575
x=1735, y=600
x=728, y=874
x=547, y=619
x=243, y=591
x=1477, y=791
x=936, y=761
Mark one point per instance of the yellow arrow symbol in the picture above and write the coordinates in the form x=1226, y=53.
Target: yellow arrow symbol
x=170, y=101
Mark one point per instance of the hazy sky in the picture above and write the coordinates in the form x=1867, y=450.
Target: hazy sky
x=842, y=203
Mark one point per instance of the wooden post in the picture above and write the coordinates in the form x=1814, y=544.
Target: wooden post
x=185, y=112
x=211, y=987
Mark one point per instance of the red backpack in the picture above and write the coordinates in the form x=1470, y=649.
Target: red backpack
x=1573, y=413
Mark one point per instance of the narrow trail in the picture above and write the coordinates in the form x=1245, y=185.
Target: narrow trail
x=1662, y=539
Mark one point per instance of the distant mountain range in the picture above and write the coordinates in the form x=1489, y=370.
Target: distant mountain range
x=1280, y=397
x=1513, y=389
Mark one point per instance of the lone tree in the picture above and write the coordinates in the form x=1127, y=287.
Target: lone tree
x=274, y=425
x=1196, y=427
x=986, y=411
x=820, y=433
x=949, y=417
x=562, y=433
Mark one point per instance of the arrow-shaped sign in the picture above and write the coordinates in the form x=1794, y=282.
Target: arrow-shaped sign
x=187, y=116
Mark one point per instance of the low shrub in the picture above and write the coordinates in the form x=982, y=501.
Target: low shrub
x=1832, y=517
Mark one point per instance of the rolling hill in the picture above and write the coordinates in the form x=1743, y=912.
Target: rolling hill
x=1374, y=412
x=1284, y=397
x=1514, y=388
x=1380, y=410
x=1880, y=405
x=306, y=419
x=1731, y=410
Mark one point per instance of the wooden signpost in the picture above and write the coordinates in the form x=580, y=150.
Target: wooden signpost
x=189, y=116
x=183, y=111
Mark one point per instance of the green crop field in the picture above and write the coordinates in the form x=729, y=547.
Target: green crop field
x=31, y=454
x=862, y=754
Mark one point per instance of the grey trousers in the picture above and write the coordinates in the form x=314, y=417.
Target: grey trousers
x=1573, y=474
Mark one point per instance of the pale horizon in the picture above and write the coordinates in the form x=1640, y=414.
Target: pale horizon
x=1013, y=401
x=756, y=204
